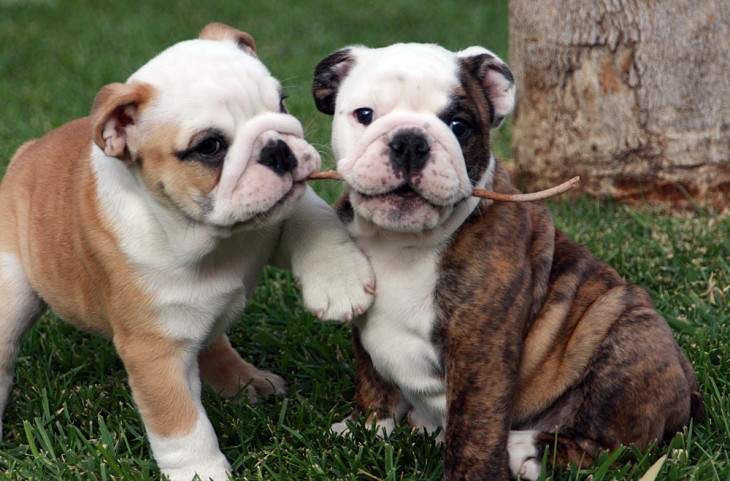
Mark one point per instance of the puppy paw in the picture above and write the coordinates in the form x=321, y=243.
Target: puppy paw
x=382, y=428
x=340, y=286
x=342, y=428
x=231, y=377
x=425, y=425
x=265, y=383
x=523, y=455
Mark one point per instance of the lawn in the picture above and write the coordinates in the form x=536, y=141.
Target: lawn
x=71, y=415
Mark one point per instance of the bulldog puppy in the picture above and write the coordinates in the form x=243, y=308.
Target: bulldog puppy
x=489, y=323
x=149, y=222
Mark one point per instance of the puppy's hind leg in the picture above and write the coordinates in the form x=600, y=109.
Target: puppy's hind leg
x=19, y=307
x=527, y=448
x=222, y=367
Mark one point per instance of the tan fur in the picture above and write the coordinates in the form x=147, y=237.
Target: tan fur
x=174, y=184
x=96, y=291
x=556, y=358
x=156, y=367
x=222, y=32
x=222, y=367
x=118, y=100
x=58, y=213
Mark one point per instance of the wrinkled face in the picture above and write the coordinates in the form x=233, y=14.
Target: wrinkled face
x=213, y=140
x=410, y=132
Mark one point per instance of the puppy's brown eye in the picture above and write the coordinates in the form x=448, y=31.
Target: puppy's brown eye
x=210, y=147
x=364, y=115
x=460, y=128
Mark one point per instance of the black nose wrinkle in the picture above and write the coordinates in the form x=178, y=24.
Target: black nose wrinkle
x=409, y=152
x=277, y=156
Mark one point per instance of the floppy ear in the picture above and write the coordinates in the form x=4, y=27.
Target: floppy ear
x=223, y=33
x=328, y=75
x=114, y=118
x=495, y=77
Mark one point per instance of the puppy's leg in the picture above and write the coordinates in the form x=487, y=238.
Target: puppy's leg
x=336, y=279
x=638, y=390
x=527, y=448
x=373, y=394
x=19, y=307
x=165, y=382
x=222, y=367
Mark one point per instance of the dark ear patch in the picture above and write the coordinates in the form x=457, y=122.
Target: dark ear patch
x=495, y=78
x=328, y=76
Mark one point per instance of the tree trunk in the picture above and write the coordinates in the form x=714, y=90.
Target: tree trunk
x=632, y=95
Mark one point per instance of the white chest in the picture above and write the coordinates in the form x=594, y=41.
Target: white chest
x=201, y=300
x=198, y=283
x=397, y=329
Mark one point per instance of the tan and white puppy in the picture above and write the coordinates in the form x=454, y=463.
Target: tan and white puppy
x=149, y=222
x=489, y=324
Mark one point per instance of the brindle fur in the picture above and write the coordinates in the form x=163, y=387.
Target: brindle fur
x=535, y=333
x=604, y=369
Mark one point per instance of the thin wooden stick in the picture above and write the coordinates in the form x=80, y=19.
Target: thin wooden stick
x=330, y=174
x=539, y=195
x=488, y=194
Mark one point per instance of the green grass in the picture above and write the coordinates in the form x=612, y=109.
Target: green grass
x=71, y=415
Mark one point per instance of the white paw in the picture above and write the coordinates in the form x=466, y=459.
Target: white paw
x=186, y=475
x=382, y=428
x=424, y=424
x=341, y=428
x=181, y=458
x=340, y=286
x=523, y=455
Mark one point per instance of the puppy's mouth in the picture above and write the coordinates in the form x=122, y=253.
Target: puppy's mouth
x=275, y=212
x=405, y=192
x=404, y=195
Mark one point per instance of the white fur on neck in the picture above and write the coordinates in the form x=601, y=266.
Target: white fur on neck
x=199, y=281
x=396, y=331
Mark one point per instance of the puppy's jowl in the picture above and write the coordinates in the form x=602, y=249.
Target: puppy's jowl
x=489, y=322
x=149, y=222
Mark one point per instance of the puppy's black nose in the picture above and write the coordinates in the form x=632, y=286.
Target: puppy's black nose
x=277, y=156
x=409, y=151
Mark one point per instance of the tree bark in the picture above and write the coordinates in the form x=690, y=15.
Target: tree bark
x=632, y=95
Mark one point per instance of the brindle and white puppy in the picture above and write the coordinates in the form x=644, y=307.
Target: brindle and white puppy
x=149, y=222
x=489, y=322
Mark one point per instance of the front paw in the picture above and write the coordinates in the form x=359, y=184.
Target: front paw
x=383, y=428
x=340, y=285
